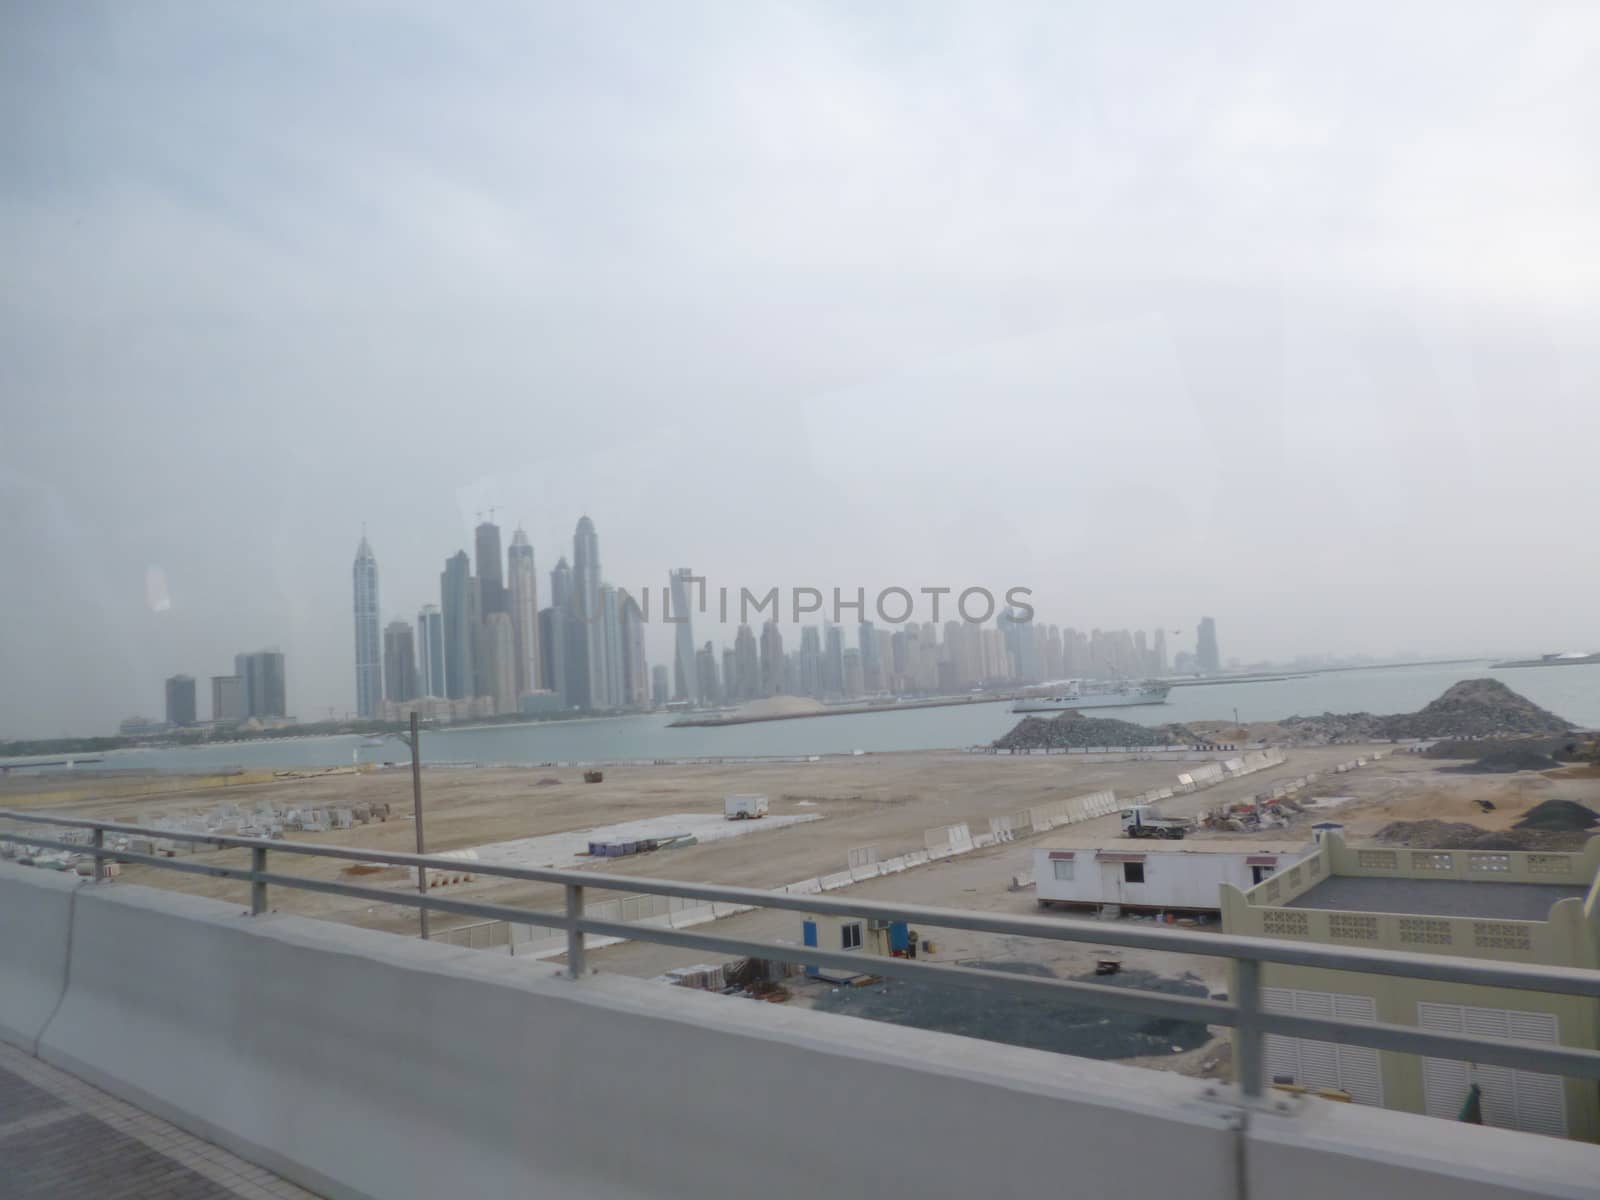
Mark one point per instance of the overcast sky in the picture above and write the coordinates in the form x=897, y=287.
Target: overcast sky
x=1163, y=310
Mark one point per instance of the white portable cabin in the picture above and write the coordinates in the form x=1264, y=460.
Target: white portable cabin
x=1185, y=875
x=744, y=807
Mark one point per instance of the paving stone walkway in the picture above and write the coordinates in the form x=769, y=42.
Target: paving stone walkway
x=61, y=1139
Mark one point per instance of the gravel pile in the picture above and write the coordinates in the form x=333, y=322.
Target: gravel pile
x=1458, y=835
x=1473, y=708
x=1073, y=731
x=1039, y=1024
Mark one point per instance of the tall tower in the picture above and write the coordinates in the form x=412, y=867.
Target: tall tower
x=685, y=671
x=491, y=571
x=611, y=645
x=399, y=662
x=430, y=650
x=456, y=588
x=1205, y=647
x=369, y=653
x=586, y=603
x=523, y=596
x=635, y=672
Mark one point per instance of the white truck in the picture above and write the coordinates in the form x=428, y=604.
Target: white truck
x=1142, y=821
x=744, y=807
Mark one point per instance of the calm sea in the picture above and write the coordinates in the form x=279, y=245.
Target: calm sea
x=1573, y=692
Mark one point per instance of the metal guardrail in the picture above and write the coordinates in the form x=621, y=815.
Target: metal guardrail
x=1244, y=1014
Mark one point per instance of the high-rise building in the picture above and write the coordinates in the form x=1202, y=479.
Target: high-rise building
x=885, y=640
x=707, y=688
x=399, y=662
x=1159, y=651
x=180, y=700
x=227, y=699
x=1205, y=647
x=685, y=674
x=635, y=671
x=522, y=593
x=369, y=664
x=658, y=684
x=265, y=691
x=832, y=659
x=502, y=650
x=553, y=652
x=853, y=681
x=808, y=662
x=458, y=602
x=491, y=569
x=867, y=643
x=611, y=646
x=747, y=663
x=730, y=675
x=586, y=603
x=772, y=666
x=430, y=650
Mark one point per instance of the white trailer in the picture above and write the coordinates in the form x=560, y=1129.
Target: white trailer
x=744, y=807
x=1184, y=876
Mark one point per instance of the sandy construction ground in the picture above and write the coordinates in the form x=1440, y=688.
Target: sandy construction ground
x=883, y=800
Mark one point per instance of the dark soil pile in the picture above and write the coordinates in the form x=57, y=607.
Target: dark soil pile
x=1072, y=731
x=1559, y=816
x=1503, y=762
x=1066, y=1028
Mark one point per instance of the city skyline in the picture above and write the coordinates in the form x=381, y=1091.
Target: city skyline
x=499, y=639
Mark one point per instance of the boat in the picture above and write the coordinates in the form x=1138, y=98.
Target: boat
x=1077, y=694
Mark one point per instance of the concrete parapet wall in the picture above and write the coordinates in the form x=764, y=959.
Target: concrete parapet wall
x=35, y=926
x=364, y=1065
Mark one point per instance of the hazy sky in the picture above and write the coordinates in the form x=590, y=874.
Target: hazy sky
x=1160, y=310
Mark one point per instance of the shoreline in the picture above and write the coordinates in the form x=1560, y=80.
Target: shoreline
x=841, y=711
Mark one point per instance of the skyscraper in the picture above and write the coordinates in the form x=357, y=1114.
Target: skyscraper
x=658, y=684
x=772, y=672
x=871, y=668
x=227, y=699
x=730, y=675
x=611, y=646
x=1205, y=647
x=491, y=571
x=685, y=674
x=369, y=666
x=586, y=605
x=180, y=700
x=635, y=672
x=809, y=662
x=456, y=586
x=498, y=662
x=553, y=652
x=707, y=687
x=261, y=678
x=1159, y=651
x=832, y=659
x=430, y=650
x=747, y=662
x=399, y=662
x=522, y=594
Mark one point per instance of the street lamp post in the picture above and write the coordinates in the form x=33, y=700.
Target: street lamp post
x=414, y=740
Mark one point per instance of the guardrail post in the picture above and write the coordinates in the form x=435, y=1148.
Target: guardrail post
x=1248, y=1056
x=99, y=862
x=574, y=934
x=258, y=888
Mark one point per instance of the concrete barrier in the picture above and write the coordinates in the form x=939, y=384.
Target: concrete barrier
x=36, y=909
x=320, y=1050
